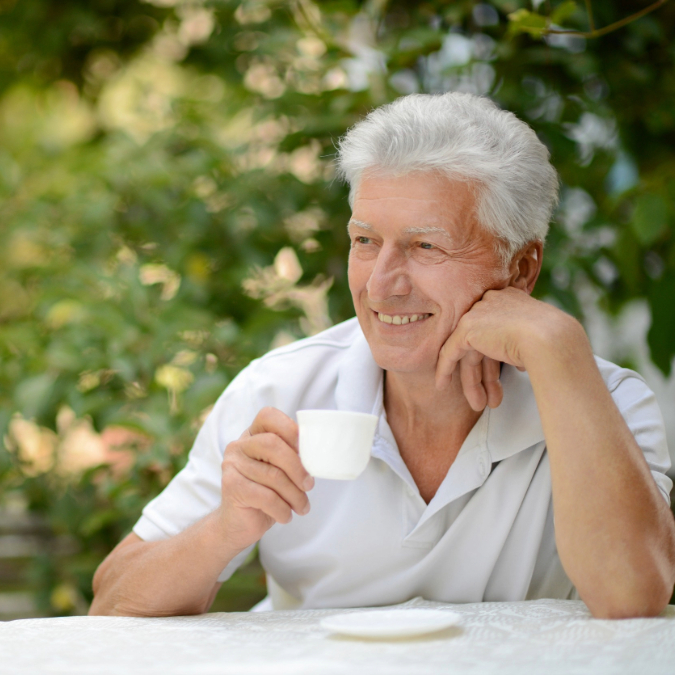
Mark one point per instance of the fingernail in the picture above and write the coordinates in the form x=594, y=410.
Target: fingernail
x=308, y=483
x=305, y=510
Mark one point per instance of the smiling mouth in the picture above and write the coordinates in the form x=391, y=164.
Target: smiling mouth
x=401, y=319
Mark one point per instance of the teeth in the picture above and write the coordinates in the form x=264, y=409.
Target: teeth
x=400, y=320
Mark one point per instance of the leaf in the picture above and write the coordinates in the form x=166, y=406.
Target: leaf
x=524, y=21
x=660, y=337
x=649, y=218
x=95, y=522
x=32, y=394
x=563, y=12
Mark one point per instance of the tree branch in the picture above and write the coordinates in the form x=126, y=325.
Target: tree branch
x=593, y=33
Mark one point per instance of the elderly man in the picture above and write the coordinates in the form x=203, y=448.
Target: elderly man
x=508, y=464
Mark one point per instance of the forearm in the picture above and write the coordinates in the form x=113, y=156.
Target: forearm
x=614, y=531
x=175, y=576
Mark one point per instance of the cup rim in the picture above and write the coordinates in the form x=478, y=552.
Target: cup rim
x=338, y=412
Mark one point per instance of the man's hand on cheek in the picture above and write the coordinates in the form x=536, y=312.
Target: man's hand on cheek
x=492, y=332
x=479, y=376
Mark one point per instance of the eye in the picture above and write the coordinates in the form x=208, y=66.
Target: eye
x=361, y=240
x=426, y=245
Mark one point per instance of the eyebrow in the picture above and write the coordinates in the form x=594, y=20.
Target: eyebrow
x=427, y=230
x=408, y=230
x=359, y=223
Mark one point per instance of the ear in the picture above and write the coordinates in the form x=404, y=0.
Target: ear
x=525, y=266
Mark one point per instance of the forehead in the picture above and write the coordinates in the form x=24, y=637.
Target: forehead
x=419, y=201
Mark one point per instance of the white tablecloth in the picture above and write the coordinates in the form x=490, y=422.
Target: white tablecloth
x=543, y=636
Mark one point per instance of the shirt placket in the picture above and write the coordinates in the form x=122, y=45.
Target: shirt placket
x=423, y=524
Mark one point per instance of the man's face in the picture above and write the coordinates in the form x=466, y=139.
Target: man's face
x=417, y=252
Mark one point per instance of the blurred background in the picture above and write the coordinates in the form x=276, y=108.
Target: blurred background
x=168, y=212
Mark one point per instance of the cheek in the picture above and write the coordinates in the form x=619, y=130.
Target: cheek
x=351, y=275
x=358, y=273
x=455, y=292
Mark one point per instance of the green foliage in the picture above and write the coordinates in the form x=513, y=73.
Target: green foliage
x=563, y=12
x=169, y=209
x=650, y=218
x=525, y=21
x=660, y=336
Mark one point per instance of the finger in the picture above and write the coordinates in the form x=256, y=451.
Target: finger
x=491, y=383
x=257, y=496
x=471, y=376
x=272, y=420
x=270, y=448
x=450, y=355
x=275, y=479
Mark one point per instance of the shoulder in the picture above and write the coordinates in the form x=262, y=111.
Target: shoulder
x=300, y=375
x=304, y=373
x=311, y=352
x=325, y=345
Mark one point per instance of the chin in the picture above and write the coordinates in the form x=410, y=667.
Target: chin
x=400, y=360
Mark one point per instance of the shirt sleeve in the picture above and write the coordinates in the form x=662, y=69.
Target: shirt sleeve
x=638, y=406
x=196, y=490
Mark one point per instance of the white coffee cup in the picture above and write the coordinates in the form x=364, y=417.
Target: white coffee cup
x=335, y=443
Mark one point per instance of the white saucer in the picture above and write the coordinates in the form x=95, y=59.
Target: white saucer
x=388, y=623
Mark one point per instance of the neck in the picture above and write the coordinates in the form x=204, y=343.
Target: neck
x=417, y=407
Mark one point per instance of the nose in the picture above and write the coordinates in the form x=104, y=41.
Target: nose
x=389, y=277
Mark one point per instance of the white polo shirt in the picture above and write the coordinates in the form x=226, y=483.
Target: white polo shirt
x=487, y=535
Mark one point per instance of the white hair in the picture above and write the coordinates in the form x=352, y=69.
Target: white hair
x=468, y=138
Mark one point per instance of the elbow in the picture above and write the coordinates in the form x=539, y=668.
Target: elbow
x=640, y=586
x=645, y=609
x=108, y=597
x=96, y=581
x=104, y=604
x=633, y=601
x=98, y=606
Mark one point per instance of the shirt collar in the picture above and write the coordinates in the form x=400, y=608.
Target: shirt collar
x=512, y=427
x=515, y=425
x=359, y=385
x=360, y=389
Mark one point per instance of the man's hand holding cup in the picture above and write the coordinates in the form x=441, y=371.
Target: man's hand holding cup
x=263, y=479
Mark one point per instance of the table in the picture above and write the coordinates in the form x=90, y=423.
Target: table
x=543, y=636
